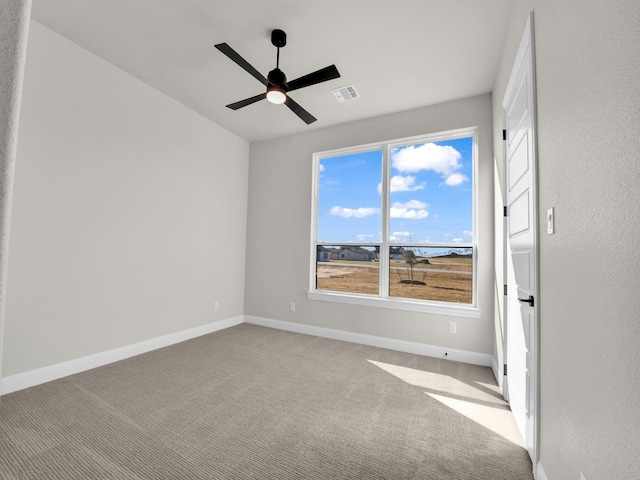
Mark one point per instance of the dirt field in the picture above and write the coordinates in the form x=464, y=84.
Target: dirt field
x=447, y=279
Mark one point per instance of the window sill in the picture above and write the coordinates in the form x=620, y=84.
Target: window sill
x=396, y=304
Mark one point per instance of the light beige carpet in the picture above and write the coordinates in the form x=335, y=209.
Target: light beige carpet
x=256, y=403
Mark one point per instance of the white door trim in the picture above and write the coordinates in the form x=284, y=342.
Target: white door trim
x=526, y=49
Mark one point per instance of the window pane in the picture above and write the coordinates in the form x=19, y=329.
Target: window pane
x=349, y=198
x=431, y=273
x=431, y=193
x=353, y=269
x=396, y=220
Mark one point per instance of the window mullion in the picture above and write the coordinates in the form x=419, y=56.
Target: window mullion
x=384, y=244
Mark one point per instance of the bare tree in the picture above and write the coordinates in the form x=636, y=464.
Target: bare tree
x=414, y=262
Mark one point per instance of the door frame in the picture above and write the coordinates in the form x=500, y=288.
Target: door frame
x=526, y=47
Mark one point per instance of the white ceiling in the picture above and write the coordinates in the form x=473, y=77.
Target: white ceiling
x=399, y=55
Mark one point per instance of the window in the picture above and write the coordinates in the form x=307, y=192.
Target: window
x=394, y=222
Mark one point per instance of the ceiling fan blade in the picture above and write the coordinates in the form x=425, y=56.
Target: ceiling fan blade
x=322, y=75
x=246, y=101
x=235, y=56
x=298, y=110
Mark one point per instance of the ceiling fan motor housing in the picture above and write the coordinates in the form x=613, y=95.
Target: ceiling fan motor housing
x=277, y=77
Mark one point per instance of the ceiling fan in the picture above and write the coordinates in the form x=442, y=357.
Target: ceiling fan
x=276, y=82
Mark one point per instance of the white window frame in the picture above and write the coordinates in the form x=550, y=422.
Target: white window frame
x=383, y=299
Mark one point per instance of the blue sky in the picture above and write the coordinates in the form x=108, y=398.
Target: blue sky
x=430, y=196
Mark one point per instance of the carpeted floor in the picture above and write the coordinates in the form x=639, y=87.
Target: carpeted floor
x=250, y=402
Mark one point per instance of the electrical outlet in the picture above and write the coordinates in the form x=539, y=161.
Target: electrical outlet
x=293, y=307
x=452, y=327
x=216, y=305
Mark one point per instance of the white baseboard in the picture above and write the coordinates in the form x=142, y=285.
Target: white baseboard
x=53, y=372
x=539, y=474
x=31, y=378
x=382, y=342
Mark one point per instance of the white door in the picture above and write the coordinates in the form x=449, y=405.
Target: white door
x=521, y=243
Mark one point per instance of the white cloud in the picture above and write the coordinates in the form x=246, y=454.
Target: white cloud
x=456, y=179
x=412, y=210
x=399, y=183
x=361, y=212
x=399, y=236
x=443, y=159
x=411, y=204
x=468, y=233
x=457, y=240
x=321, y=168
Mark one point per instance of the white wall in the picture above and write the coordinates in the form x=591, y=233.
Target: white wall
x=588, y=66
x=129, y=215
x=279, y=229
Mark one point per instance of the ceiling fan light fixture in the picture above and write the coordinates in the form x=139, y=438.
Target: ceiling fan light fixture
x=276, y=95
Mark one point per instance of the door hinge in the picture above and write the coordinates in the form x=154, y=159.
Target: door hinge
x=504, y=211
x=504, y=134
x=504, y=367
x=505, y=290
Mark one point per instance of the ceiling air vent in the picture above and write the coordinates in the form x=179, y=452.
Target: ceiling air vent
x=345, y=94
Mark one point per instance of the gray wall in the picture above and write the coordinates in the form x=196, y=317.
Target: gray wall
x=279, y=229
x=129, y=209
x=129, y=214
x=14, y=28
x=588, y=66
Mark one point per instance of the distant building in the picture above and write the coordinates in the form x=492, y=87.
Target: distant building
x=323, y=255
x=356, y=253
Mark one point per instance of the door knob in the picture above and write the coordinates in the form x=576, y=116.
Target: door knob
x=527, y=300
